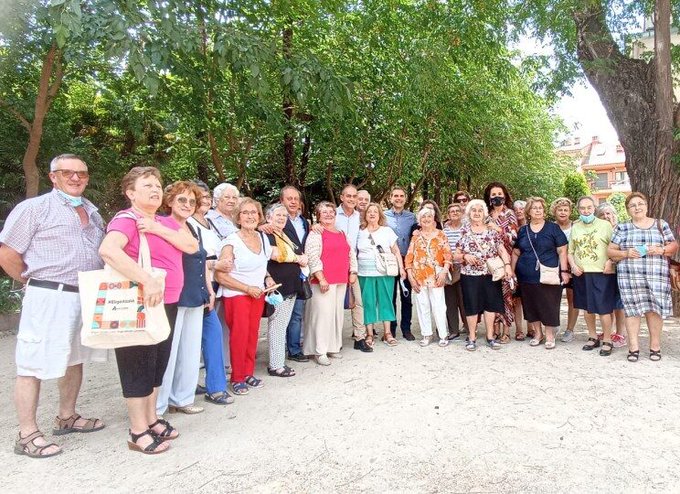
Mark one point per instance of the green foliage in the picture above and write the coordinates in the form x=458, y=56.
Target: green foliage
x=618, y=201
x=575, y=186
x=419, y=93
x=10, y=298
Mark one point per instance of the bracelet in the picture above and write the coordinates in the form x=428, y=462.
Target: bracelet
x=564, y=271
x=507, y=263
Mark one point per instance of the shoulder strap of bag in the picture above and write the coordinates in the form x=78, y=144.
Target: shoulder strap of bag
x=375, y=246
x=215, y=229
x=532, y=246
x=288, y=242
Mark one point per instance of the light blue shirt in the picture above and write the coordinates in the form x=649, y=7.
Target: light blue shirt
x=223, y=226
x=299, y=225
x=348, y=224
x=401, y=223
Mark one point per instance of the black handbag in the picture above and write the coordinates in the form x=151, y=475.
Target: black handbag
x=268, y=310
x=306, y=292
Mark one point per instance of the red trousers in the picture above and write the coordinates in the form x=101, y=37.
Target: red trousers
x=242, y=314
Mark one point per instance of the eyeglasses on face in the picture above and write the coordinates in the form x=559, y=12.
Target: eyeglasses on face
x=68, y=174
x=636, y=205
x=462, y=199
x=249, y=213
x=184, y=200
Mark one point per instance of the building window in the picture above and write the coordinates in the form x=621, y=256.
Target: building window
x=621, y=176
x=602, y=181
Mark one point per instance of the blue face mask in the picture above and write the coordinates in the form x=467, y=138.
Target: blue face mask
x=274, y=298
x=75, y=201
x=587, y=219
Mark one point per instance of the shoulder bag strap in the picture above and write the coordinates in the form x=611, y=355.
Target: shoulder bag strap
x=532, y=247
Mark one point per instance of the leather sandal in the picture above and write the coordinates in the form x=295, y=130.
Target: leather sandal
x=654, y=355
x=26, y=446
x=152, y=448
x=165, y=434
x=591, y=344
x=369, y=340
x=389, y=340
x=633, y=356
x=519, y=336
x=284, y=371
x=607, y=347
x=67, y=426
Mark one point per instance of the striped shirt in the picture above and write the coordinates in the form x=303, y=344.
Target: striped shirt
x=47, y=232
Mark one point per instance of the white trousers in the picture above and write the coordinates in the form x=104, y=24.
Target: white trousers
x=181, y=375
x=431, y=304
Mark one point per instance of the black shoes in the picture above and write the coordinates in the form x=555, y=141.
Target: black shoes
x=453, y=335
x=409, y=336
x=363, y=346
x=298, y=357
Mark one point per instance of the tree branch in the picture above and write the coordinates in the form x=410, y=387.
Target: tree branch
x=24, y=123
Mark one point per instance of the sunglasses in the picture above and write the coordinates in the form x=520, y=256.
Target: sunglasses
x=68, y=174
x=461, y=199
x=184, y=200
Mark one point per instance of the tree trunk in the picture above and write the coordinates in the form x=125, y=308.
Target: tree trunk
x=637, y=97
x=51, y=76
x=287, y=106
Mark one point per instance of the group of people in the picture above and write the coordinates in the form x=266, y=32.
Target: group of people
x=228, y=264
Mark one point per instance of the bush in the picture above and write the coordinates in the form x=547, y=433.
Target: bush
x=10, y=299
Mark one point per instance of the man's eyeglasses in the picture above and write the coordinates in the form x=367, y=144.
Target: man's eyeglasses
x=184, y=200
x=68, y=174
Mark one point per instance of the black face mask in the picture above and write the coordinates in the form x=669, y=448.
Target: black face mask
x=497, y=201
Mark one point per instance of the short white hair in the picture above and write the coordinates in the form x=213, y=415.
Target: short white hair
x=269, y=214
x=425, y=210
x=55, y=161
x=221, y=189
x=519, y=204
x=476, y=202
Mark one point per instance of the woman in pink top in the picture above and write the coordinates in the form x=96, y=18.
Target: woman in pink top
x=141, y=368
x=332, y=264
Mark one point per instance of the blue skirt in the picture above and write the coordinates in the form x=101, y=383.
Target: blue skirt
x=596, y=293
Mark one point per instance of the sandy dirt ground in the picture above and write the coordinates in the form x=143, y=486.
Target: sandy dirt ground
x=403, y=419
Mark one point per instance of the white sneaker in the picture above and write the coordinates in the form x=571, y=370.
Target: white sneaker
x=568, y=336
x=337, y=355
x=443, y=342
x=322, y=360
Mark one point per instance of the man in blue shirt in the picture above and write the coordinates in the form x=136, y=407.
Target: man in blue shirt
x=401, y=221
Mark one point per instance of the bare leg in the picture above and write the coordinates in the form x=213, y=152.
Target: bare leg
x=572, y=313
x=549, y=334
x=69, y=387
x=620, y=318
x=655, y=324
x=519, y=317
x=488, y=322
x=606, y=321
x=590, y=324
x=633, y=330
x=26, y=394
x=472, y=326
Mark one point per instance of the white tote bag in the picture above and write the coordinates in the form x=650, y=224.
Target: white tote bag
x=113, y=310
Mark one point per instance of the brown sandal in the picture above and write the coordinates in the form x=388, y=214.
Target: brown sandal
x=389, y=340
x=504, y=339
x=26, y=446
x=519, y=336
x=66, y=426
x=369, y=340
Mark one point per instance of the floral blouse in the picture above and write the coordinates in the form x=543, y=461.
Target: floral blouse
x=508, y=223
x=483, y=246
x=427, y=257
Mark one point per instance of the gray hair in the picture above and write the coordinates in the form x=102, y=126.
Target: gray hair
x=519, y=204
x=221, y=189
x=602, y=208
x=584, y=198
x=424, y=211
x=55, y=161
x=269, y=214
x=474, y=203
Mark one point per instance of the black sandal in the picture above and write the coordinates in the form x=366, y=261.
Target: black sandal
x=608, y=351
x=151, y=448
x=654, y=355
x=595, y=343
x=166, y=434
x=287, y=372
x=633, y=356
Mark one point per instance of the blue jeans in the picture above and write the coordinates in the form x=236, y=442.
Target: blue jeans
x=294, y=329
x=215, y=380
x=406, y=308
